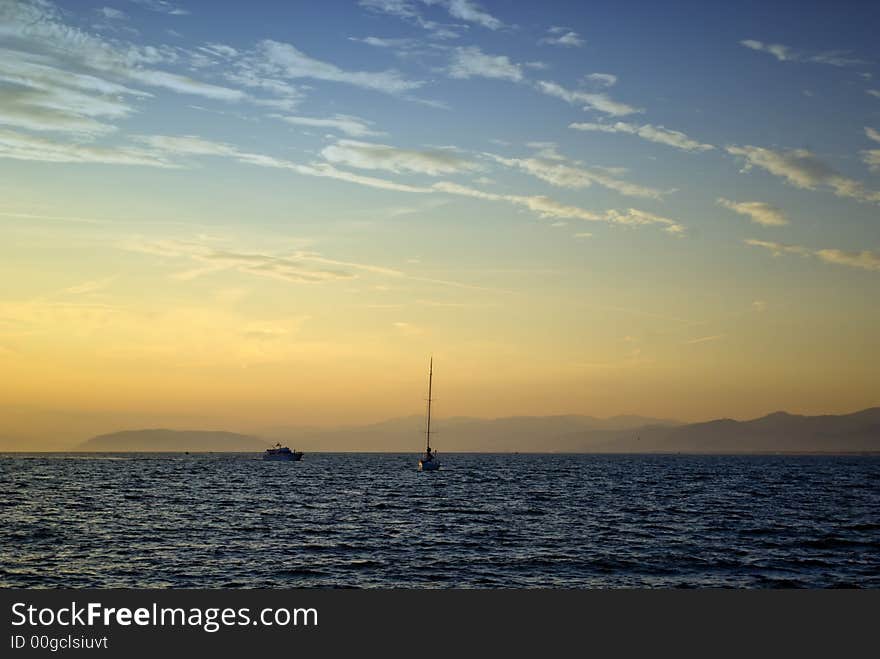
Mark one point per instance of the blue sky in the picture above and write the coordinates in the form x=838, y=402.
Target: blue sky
x=583, y=174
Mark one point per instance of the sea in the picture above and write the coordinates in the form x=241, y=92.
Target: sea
x=370, y=520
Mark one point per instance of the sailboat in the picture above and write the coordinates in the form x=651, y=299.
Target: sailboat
x=430, y=461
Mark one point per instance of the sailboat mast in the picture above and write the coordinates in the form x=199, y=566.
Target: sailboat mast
x=430, y=377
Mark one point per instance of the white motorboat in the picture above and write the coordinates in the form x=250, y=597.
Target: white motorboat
x=430, y=461
x=282, y=454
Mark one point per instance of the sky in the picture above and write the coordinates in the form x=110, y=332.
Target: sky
x=242, y=215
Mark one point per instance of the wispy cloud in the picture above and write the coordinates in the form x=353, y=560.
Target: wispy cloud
x=464, y=10
x=19, y=146
x=548, y=208
x=53, y=218
x=871, y=157
x=408, y=329
x=281, y=94
x=111, y=14
x=43, y=316
x=88, y=287
x=564, y=175
x=759, y=212
x=589, y=100
x=193, y=145
x=185, y=85
x=399, y=8
x=802, y=169
x=188, y=145
x=367, y=155
x=705, y=339
x=657, y=134
x=409, y=11
x=863, y=260
x=778, y=249
x=344, y=123
x=469, y=11
x=283, y=60
x=635, y=217
x=780, y=52
x=219, y=50
x=295, y=267
x=162, y=6
x=35, y=32
x=65, y=79
x=40, y=97
x=546, y=150
x=471, y=62
x=562, y=36
x=602, y=79
x=381, y=42
x=787, y=54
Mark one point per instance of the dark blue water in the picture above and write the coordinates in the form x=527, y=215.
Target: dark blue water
x=486, y=521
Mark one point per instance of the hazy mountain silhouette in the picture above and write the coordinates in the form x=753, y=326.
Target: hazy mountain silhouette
x=525, y=433
x=161, y=440
x=777, y=432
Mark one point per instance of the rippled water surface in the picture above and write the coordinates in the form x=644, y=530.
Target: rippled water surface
x=372, y=520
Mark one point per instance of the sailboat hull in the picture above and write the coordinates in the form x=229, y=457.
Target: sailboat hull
x=429, y=465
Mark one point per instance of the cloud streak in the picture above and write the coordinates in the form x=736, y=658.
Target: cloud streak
x=787, y=54
x=297, y=267
x=36, y=30
x=563, y=175
x=469, y=11
x=39, y=97
x=162, y=7
x=352, y=126
x=657, y=134
x=871, y=157
x=802, y=169
x=471, y=62
x=464, y=10
x=193, y=145
x=274, y=58
x=89, y=287
x=19, y=146
x=758, y=211
x=862, y=260
x=599, y=102
x=294, y=267
x=705, y=339
x=562, y=36
x=548, y=208
x=367, y=155
x=381, y=156
x=602, y=79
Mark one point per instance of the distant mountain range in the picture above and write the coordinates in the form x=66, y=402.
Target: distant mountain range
x=624, y=434
x=162, y=440
x=518, y=433
x=778, y=432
